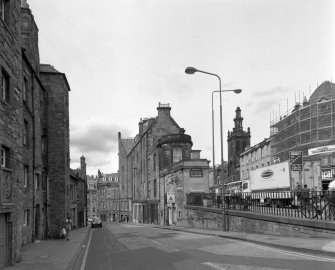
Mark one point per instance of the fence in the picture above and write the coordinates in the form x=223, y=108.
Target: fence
x=304, y=204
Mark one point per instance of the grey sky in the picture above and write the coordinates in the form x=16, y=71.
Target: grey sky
x=122, y=57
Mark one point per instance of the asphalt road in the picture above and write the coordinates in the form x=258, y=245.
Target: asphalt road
x=129, y=246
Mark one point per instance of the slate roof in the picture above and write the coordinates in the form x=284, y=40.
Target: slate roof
x=48, y=68
x=128, y=144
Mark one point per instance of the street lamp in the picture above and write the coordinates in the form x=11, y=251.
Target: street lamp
x=236, y=91
x=192, y=70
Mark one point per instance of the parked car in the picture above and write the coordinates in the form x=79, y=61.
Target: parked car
x=96, y=223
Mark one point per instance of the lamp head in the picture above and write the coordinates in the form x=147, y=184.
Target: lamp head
x=190, y=70
x=237, y=91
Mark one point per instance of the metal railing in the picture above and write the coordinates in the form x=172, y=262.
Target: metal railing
x=304, y=204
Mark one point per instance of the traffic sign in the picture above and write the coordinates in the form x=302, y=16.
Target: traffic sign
x=296, y=160
x=170, y=197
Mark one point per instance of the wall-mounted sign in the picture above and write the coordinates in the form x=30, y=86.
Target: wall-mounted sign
x=321, y=150
x=170, y=197
x=196, y=173
x=327, y=173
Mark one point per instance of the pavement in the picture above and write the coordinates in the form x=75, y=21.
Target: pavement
x=64, y=255
x=53, y=254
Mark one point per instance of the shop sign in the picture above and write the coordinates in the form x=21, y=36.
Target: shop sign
x=321, y=150
x=327, y=173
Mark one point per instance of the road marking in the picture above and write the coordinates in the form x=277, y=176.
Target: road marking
x=290, y=252
x=213, y=265
x=85, y=255
x=155, y=241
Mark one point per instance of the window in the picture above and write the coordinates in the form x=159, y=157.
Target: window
x=4, y=12
x=24, y=89
x=25, y=133
x=177, y=154
x=154, y=161
x=25, y=175
x=4, y=161
x=4, y=85
x=37, y=181
x=155, y=188
x=26, y=218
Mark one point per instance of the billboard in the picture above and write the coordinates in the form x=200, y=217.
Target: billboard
x=271, y=177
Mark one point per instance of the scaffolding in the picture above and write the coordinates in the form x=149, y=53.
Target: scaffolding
x=304, y=126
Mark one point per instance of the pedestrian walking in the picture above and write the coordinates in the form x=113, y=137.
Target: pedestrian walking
x=68, y=227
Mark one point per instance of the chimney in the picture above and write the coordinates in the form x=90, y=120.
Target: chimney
x=83, y=167
x=195, y=154
x=163, y=111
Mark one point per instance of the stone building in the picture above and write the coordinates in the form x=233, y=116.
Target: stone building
x=160, y=144
x=77, y=195
x=309, y=128
x=34, y=137
x=255, y=157
x=92, y=198
x=238, y=141
x=110, y=208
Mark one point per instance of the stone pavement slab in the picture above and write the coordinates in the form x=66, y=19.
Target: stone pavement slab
x=52, y=254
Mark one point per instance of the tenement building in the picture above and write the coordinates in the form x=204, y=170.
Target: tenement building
x=158, y=168
x=34, y=137
x=255, y=157
x=110, y=207
x=309, y=128
x=238, y=140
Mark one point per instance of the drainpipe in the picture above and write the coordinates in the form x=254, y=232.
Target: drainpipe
x=34, y=153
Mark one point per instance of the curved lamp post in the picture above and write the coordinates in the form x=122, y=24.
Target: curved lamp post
x=236, y=91
x=192, y=70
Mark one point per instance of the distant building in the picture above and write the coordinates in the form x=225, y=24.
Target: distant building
x=78, y=197
x=255, y=157
x=92, y=198
x=310, y=128
x=238, y=140
x=109, y=206
x=159, y=151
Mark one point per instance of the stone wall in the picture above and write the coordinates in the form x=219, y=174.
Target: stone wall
x=58, y=148
x=238, y=221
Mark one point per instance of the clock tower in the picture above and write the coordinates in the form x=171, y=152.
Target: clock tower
x=238, y=140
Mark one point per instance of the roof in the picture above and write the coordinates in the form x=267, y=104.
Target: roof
x=128, y=144
x=48, y=68
x=325, y=90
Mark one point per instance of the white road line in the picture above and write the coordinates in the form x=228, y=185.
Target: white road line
x=290, y=252
x=213, y=265
x=85, y=255
x=155, y=242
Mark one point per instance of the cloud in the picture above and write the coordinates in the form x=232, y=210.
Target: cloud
x=96, y=135
x=270, y=98
x=97, y=140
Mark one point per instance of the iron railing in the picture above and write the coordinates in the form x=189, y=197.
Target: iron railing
x=308, y=205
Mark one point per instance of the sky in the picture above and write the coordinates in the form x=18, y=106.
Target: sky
x=122, y=57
